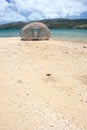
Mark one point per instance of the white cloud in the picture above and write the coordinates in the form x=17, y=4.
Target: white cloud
x=20, y=10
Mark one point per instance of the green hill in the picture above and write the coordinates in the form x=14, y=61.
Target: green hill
x=52, y=23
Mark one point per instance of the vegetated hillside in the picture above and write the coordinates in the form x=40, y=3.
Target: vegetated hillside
x=66, y=23
x=52, y=23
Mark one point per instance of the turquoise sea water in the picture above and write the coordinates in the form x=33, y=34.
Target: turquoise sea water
x=79, y=35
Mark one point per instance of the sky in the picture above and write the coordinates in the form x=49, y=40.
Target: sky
x=28, y=10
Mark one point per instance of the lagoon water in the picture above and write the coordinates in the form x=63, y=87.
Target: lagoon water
x=79, y=35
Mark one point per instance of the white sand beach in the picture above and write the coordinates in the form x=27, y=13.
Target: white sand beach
x=43, y=85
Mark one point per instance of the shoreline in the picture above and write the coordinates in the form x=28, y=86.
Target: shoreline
x=74, y=40
x=43, y=84
x=71, y=40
